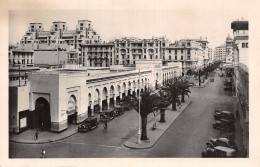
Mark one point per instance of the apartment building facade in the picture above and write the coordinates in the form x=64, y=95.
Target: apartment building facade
x=128, y=50
x=187, y=51
x=241, y=76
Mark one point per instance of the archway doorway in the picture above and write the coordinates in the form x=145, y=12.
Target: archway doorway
x=72, y=110
x=42, y=117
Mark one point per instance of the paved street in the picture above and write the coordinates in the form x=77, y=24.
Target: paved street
x=186, y=137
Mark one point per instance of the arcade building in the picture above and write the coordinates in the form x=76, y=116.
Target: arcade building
x=52, y=100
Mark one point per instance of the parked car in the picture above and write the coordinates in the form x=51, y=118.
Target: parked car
x=225, y=115
x=219, y=152
x=212, y=142
x=119, y=111
x=107, y=115
x=224, y=125
x=208, y=152
x=225, y=152
x=88, y=124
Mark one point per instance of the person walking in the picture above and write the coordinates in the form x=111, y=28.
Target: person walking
x=43, y=153
x=105, y=124
x=36, y=135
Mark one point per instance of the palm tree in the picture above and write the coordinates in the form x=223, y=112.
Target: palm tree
x=184, y=89
x=161, y=103
x=146, y=107
x=172, y=91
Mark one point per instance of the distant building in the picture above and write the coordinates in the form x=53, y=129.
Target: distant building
x=59, y=34
x=220, y=53
x=229, y=51
x=98, y=55
x=128, y=50
x=241, y=76
x=187, y=51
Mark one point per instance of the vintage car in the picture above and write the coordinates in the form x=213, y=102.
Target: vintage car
x=208, y=152
x=225, y=115
x=225, y=152
x=221, y=142
x=107, y=115
x=88, y=124
x=119, y=111
x=219, y=152
x=224, y=125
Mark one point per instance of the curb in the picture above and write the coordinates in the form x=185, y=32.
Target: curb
x=49, y=141
x=183, y=110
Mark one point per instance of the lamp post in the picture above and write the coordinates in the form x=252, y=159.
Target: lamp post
x=139, y=127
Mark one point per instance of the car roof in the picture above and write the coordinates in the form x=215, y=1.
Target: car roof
x=226, y=112
x=89, y=119
x=226, y=149
x=223, y=139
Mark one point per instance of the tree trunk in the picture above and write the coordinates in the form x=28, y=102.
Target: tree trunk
x=174, y=106
x=162, y=115
x=144, y=131
x=182, y=98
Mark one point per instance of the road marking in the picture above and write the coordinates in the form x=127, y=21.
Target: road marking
x=96, y=145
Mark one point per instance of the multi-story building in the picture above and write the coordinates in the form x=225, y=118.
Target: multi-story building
x=97, y=55
x=59, y=34
x=128, y=50
x=21, y=57
x=241, y=76
x=187, y=51
x=229, y=50
x=220, y=53
x=210, y=55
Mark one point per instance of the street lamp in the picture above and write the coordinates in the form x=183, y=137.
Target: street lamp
x=139, y=127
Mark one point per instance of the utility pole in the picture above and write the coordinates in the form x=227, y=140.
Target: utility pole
x=199, y=77
x=139, y=127
x=19, y=75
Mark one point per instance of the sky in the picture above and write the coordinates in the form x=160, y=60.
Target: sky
x=174, y=23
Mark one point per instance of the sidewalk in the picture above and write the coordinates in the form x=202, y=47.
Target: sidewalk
x=201, y=84
x=27, y=137
x=155, y=135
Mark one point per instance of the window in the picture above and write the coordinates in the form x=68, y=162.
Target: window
x=175, y=51
x=56, y=25
x=127, y=50
x=170, y=51
x=151, y=56
x=144, y=50
x=181, y=51
x=139, y=56
x=134, y=56
x=144, y=56
x=134, y=62
x=81, y=24
x=243, y=45
x=188, y=51
x=170, y=57
x=156, y=50
x=128, y=56
x=156, y=57
x=246, y=45
x=181, y=57
x=175, y=57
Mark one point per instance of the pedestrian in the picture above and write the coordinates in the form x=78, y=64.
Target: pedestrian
x=105, y=124
x=36, y=135
x=43, y=153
